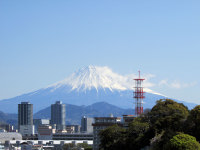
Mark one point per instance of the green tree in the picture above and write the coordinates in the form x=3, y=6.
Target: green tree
x=192, y=125
x=85, y=146
x=166, y=118
x=168, y=115
x=137, y=134
x=183, y=142
x=160, y=141
x=113, y=138
x=68, y=146
x=118, y=138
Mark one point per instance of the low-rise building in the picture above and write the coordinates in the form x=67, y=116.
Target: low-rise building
x=127, y=119
x=101, y=123
x=73, y=136
x=27, y=130
x=45, y=132
x=7, y=127
x=70, y=129
x=39, y=122
x=73, y=128
x=7, y=136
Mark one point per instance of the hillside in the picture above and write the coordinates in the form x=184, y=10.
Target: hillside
x=86, y=86
x=74, y=113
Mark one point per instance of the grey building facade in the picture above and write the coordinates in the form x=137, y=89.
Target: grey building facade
x=25, y=114
x=86, y=125
x=25, y=118
x=58, y=115
x=40, y=122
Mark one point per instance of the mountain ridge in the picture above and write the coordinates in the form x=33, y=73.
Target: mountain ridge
x=85, y=87
x=74, y=113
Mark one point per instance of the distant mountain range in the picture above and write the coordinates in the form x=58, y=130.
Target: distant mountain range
x=86, y=86
x=74, y=113
x=8, y=118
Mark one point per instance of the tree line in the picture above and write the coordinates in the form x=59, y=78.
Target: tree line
x=167, y=126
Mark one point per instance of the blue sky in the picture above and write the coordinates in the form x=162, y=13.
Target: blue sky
x=44, y=41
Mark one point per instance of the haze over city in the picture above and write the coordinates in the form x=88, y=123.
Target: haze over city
x=43, y=42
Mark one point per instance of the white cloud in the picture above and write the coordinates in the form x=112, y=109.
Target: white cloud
x=163, y=82
x=176, y=84
x=147, y=77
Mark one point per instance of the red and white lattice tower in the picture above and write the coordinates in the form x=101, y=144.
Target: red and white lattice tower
x=139, y=96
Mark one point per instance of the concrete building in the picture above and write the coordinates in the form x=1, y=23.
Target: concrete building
x=73, y=136
x=58, y=115
x=86, y=125
x=7, y=127
x=101, y=123
x=127, y=119
x=41, y=144
x=27, y=130
x=7, y=136
x=73, y=128
x=40, y=122
x=45, y=132
x=70, y=129
x=77, y=128
x=25, y=118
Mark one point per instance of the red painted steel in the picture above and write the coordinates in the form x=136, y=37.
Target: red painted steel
x=138, y=95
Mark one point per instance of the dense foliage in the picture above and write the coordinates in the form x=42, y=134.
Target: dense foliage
x=183, y=142
x=114, y=138
x=168, y=114
x=156, y=129
x=193, y=123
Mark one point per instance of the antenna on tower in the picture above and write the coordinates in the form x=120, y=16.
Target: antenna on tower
x=138, y=95
x=139, y=74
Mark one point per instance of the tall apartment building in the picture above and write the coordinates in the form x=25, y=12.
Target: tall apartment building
x=25, y=118
x=86, y=125
x=58, y=115
x=101, y=123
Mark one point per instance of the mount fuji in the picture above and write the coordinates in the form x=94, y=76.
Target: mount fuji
x=86, y=86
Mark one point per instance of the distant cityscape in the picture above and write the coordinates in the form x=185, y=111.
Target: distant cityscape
x=70, y=75
x=51, y=133
x=54, y=133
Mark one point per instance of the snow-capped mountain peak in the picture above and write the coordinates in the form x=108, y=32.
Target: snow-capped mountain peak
x=94, y=77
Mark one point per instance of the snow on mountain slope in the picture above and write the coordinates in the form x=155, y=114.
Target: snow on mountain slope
x=98, y=78
x=94, y=77
x=87, y=86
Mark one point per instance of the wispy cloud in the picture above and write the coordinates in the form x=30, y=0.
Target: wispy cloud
x=147, y=78
x=176, y=84
x=150, y=82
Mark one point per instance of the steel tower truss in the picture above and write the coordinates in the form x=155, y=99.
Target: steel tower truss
x=138, y=95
